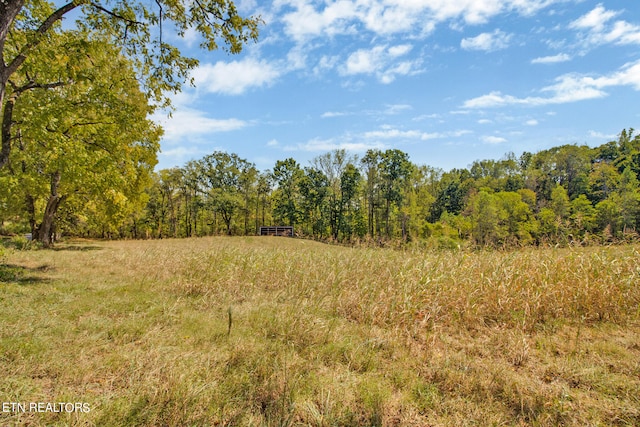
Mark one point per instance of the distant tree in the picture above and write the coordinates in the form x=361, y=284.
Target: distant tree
x=515, y=217
x=603, y=181
x=263, y=188
x=583, y=215
x=227, y=179
x=350, y=181
x=454, y=190
x=609, y=218
x=395, y=170
x=627, y=197
x=332, y=165
x=370, y=164
x=287, y=175
x=314, y=189
x=485, y=217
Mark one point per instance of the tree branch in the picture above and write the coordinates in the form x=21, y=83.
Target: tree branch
x=44, y=27
x=17, y=91
x=115, y=15
x=7, y=116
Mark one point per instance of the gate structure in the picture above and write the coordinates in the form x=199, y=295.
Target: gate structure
x=277, y=230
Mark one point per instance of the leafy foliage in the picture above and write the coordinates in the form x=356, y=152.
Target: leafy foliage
x=77, y=148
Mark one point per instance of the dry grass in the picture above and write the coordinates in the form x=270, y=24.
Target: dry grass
x=320, y=335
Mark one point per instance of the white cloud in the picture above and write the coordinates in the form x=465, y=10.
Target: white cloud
x=490, y=139
x=304, y=21
x=187, y=123
x=397, y=108
x=382, y=138
x=180, y=152
x=594, y=20
x=323, y=145
x=600, y=135
x=561, y=57
x=398, y=134
x=600, y=30
x=488, y=42
x=365, y=61
x=235, y=77
x=400, y=50
x=325, y=63
x=381, y=61
x=568, y=88
x=273, y=143
x=624, y=33
x=388, y=132
x=532, y=122
x=330, y=114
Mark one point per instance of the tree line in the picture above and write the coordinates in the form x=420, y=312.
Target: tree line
x=570, y=193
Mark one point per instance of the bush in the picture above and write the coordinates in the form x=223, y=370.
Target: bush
x=19, y=242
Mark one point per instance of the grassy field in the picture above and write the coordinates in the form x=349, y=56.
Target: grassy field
x=278, y=332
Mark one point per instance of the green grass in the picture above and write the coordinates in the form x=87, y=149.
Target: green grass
x=320, y=335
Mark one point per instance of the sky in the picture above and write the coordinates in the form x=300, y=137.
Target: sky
x=446, y=81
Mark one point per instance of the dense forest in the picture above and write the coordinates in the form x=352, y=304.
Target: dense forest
x=566, y=194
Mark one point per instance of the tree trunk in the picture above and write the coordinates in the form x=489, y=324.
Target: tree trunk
x=7, y=117
x=46, y=228
x=31, y=209
x=9, y=9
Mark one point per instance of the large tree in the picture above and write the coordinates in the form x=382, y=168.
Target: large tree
x=135, y=26
x=94, y=150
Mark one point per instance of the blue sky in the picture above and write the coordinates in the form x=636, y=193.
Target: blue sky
x=447, y=81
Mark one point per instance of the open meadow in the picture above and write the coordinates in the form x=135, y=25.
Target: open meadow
x=284, y=332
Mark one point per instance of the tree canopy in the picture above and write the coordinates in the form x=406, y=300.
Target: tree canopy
x=135, y=27
x=75, y=103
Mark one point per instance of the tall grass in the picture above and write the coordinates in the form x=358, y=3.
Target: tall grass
x=321, y=335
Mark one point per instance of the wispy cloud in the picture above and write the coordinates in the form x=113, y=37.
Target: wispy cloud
x=568, y=88
x=381, y=61
x=488, y=42
x=561, y=57
x=391, y=133
x=595, y=20
x=601, y=135
x=235, y=77
x=187, y=123
x=394, y=109
x=305, y=20
x=384, y=137
x=324, y=145
x=599, y=28
x=399, y=134
x=330, y=114
x=491, y=139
